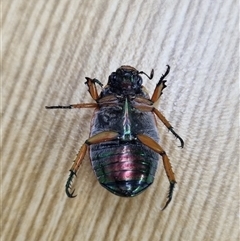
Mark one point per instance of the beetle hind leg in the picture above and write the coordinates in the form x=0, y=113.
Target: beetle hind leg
x=75, y=166
x=170, y=194
x=98, y=138
x=68, y=185
x=149, y=142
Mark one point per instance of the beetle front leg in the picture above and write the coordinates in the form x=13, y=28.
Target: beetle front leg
x=91, y=83
x=160, y=86
x=92, y=89
x=149, y=142
x=98, y=138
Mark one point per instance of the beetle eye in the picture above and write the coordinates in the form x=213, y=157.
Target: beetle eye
x=139, y=81
x=112, y=79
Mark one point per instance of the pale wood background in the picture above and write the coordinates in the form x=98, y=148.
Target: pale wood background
x=48, y=49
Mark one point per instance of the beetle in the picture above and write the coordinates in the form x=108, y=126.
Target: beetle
x=123, y=143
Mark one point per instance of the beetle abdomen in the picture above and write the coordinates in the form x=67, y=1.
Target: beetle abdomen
x=124, y=169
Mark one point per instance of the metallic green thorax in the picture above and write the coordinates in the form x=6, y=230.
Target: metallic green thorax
x=127, y=134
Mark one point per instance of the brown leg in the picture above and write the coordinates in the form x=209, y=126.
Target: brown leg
x=149, y=108
x=91, y=83
x=160, y=86
x=83, y=105
x=149, y=142
x=98, y=138
x=167, y=124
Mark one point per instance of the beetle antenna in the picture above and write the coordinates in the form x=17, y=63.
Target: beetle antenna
x=151, y=74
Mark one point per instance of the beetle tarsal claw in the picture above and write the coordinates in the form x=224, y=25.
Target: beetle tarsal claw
x=68, y=185
x=70, y=194
x=177, y=136
x=169, y=197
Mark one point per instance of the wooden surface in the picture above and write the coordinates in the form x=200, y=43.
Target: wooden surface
x=48, y=47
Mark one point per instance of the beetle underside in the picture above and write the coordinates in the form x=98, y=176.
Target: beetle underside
x=124, y=147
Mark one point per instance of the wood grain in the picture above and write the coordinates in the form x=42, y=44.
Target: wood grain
x=48, y=47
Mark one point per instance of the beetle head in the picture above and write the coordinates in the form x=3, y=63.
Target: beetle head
x=126, y=80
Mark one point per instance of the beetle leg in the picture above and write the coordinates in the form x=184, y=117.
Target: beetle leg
x=98, y=138
x=161, y=117
x=83, y=105
x=149, y=142
x=160, y=86
x=91, y=83
x=76, y=164
x=92, y=89
x=167, y=124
